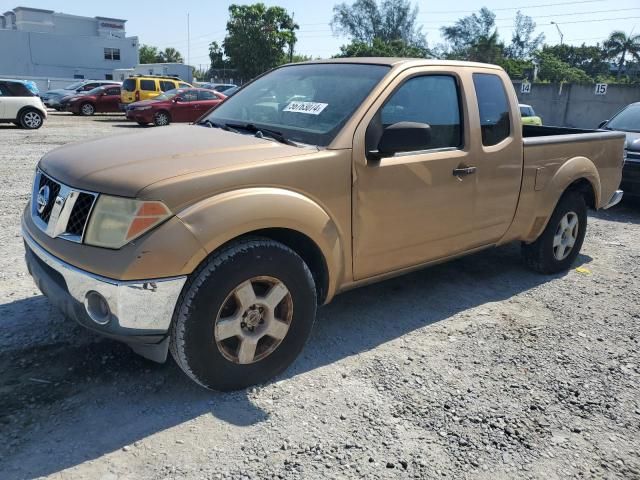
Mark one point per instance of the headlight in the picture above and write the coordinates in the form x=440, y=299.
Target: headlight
x=115, y=221
x=142, y=108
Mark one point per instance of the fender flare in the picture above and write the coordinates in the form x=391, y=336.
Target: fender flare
x=570, y=172
x=226, y=216
x=29, y=107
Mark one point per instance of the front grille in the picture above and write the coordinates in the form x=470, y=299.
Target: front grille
x=54, y=190
x=80, y=214
x=66, y=212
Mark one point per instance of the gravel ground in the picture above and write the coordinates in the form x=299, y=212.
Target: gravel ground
x=473, y=369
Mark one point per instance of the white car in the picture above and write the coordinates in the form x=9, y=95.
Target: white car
x=20, y=105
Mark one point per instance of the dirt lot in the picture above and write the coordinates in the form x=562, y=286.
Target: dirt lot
x=474, y=369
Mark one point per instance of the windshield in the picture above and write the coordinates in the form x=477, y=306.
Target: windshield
x=74, y=86
x=628, y=120
x=526, y=111
x=306, y=103
x=168, y=95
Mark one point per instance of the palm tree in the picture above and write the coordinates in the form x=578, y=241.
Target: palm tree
x=621, y=44
x=171, y=55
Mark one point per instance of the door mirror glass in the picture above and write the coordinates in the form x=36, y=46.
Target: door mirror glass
x=404, y=137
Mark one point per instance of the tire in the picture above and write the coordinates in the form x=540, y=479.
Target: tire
x=31, y=119
x=161, y=119
x=214, y=356
x=87, y=109
x=560, y=243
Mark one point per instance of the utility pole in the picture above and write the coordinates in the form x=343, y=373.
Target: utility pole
x=559, y=31
x=188, y=41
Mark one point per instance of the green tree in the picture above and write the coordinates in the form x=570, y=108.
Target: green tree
x=474, y=34
x=587, y=58
x=523, y=42
x=619, y=45
x=170, y=55
x=381, y=48
x=257, y=37
x=148, y=54
x=552, y=69
x=363, y=21
x=216, y=55
x=517, y=69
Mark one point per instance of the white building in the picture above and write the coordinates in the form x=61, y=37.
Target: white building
x=44, y=43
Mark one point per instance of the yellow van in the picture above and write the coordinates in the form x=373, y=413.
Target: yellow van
x=146, y=87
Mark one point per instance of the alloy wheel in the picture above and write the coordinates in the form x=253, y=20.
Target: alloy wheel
x=566, y=236
x=32, y=119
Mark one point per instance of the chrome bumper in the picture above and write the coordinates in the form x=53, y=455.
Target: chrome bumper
x=141, y=308
x=615, y=199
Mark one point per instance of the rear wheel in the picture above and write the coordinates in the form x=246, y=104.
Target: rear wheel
x=87, y=109
x=161, y=119
x=31, y=119
x=244, y=316
x=560, y=243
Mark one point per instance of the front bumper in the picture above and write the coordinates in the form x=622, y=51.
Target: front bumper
x=139, y=312
x=631, y=175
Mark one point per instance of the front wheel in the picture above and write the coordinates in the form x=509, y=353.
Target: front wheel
x=244, y=316
x=87, y=109
x=161, y=119
x=560, y=243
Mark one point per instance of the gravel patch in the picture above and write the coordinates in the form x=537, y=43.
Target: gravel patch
x=474, y=369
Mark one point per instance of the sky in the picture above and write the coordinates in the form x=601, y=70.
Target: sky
x=163, y=24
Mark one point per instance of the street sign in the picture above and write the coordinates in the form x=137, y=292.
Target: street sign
x=601, y=89
x=525, y=87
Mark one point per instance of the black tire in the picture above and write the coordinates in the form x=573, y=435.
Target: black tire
x=161, y=119
x=87, y=109
x=541, y=255
x=193, y=342
x=31, y=119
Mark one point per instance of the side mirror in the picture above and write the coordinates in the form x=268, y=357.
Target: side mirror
x=602, y=124
x=404, y=137
x=177, y=99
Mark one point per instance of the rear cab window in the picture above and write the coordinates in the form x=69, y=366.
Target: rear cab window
x=493, y=105
x=129, y=85
x=206, y=95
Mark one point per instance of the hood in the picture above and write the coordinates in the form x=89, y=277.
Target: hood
x=59, y=91
x=125, y=164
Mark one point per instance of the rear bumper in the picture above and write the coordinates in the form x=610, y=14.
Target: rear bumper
x=139, y=312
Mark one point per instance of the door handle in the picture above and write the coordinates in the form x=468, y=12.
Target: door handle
x=463, y=171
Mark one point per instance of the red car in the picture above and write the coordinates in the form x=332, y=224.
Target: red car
x=179, y=105
x=99, y=100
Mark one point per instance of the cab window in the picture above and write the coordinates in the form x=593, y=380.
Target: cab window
x=166, y=85
x=113, y=91
x=148, y=85
x=189, y=96
x=206, y=95
x=493, y=105
x=129, y=85
x=430, y=99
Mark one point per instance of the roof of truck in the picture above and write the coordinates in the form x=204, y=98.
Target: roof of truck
x=393, y=61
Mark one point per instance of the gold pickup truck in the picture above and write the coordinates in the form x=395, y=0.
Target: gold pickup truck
x=217, y=241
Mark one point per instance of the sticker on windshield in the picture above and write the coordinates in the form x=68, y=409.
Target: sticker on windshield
x=310, y=108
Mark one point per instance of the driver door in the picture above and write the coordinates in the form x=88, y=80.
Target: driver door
x=412, y=208
x=184, y=107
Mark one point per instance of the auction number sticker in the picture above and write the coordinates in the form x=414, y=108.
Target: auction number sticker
x=310, y=108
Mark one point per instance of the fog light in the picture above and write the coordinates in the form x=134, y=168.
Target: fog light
x=97, y=308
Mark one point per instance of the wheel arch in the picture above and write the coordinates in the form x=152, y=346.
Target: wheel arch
x=27, y=108
x=281, y=215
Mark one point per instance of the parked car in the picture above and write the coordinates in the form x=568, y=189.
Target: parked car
x=218, y=87
x=99, y=100
x=179, y=105
x=52, y=98
x=529, y=117
x=217, y=241
x=135, y=89
x=627, y=120
x=20, y=105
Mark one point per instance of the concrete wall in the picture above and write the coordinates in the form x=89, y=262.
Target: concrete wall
x=577, y=105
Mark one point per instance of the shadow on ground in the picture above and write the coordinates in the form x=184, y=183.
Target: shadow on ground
x=85, y=391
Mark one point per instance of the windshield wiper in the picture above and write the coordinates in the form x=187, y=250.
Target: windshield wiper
x=223, y=126
x=262, y=132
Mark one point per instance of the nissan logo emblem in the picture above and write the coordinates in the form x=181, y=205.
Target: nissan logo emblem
x=43, y=198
